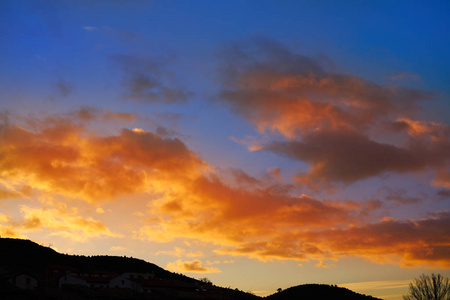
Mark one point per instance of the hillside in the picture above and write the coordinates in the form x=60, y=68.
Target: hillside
x=26, y=260
x=42, y=266
x=318, y=291
x=29, y=255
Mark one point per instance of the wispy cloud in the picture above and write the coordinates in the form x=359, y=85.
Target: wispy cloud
x=401, y=76
x=115, y=33
x=387, y=289
x=8, y=228
x=59, y=221
x=377, y=285
x=149, y=80
x=179, y=252
x=64, y=88
x=195, y=266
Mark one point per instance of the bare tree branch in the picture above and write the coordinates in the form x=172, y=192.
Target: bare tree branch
x=434, y=287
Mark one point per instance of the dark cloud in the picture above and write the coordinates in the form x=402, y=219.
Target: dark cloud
x=243, y=178
x=400, y=196
x=443, y=194
x=149, y=80
x=64, y=88
x=341, y=124
x=86, y=113
x=345, y=156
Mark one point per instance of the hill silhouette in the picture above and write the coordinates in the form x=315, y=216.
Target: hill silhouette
x=30, y=255
x=26, y=260
x=318, y=291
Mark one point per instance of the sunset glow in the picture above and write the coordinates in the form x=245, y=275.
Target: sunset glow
x=261, y=144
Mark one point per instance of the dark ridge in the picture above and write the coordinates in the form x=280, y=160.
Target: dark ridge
x=30, y=255
x=19, y=256
x=25, y=253
x=318, y=292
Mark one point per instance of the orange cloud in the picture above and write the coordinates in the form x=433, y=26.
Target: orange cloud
x=4, y=194
x=258, y=217
x=214, y=212
x=442, y=178
x=57, y=221
x=179, y=252
x=321, y=264
x=267, y=223
x=195, y=266
x=407, y=243
x=118, y=248
x=335, y=122
x=7, y=229
x=61, y=156
x=109, y=115
x=420, y=128
x=63, y=222
x=292, y=93
x=204, y=206
x=415, y=243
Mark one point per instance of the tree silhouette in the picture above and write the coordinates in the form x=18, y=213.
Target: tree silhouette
x=434, y=287
x=205, y=280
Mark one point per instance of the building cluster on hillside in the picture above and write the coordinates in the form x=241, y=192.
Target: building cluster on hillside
x=139, y=282
x=57, y=277
x=17, y=279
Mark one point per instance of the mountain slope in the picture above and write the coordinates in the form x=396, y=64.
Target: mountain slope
x=318, y=292
x=26, y=257
x=29, y=257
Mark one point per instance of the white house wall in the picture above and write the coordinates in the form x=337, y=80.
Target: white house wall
x=71, y=279
x=24, y=281
x=124, y=283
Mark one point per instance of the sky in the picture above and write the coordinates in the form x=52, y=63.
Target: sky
x=260, y=144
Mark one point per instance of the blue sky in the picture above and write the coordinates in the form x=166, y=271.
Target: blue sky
x=228, y=116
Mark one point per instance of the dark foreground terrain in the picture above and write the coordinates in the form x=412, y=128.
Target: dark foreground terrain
x=318, y=291
x=31, y=271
